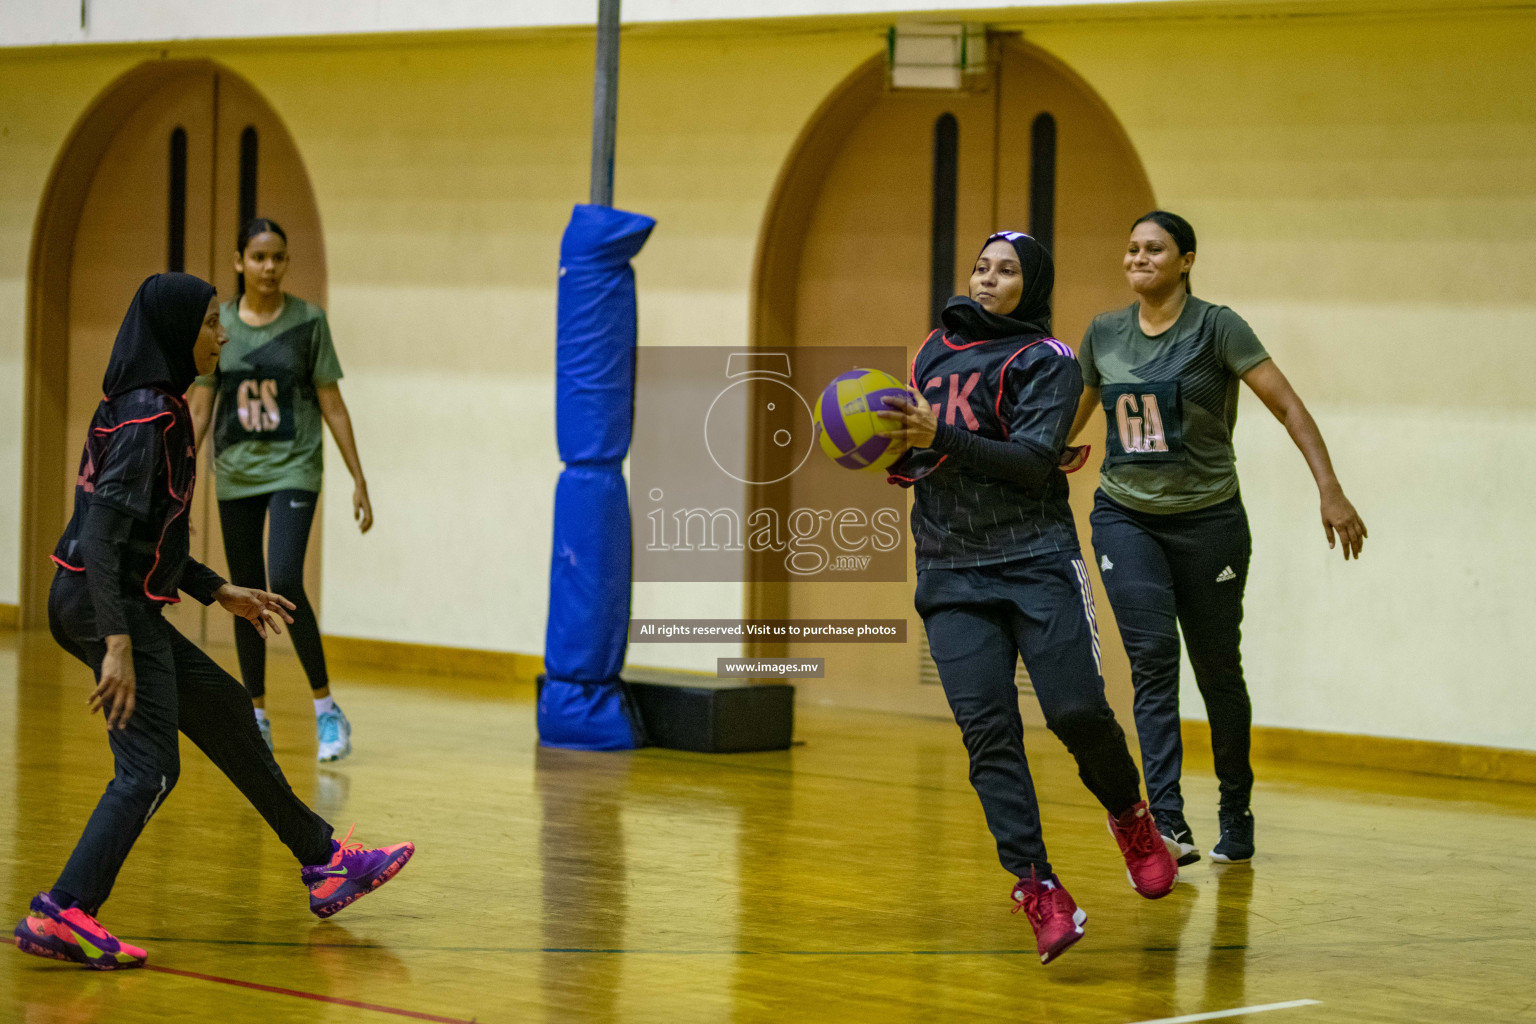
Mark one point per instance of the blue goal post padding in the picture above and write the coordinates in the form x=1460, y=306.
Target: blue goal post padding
x=582, y=704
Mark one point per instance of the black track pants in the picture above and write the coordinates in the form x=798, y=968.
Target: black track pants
x=292, y=513
x=1187, y=568
x=177, y=687
x=979, y=622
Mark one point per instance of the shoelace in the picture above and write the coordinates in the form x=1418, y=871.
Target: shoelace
x=1027, y=901
x=1142, y=838
x=1030, y=902
x=1027, y=898
x=344, y=847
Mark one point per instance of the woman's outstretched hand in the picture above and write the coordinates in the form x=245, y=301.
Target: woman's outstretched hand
x=1340, y=517
x=912, y=423
x=260, y=608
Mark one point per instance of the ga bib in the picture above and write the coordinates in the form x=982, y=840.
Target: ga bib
x=1145, y=422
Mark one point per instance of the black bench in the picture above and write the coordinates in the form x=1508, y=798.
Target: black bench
x=682, y=711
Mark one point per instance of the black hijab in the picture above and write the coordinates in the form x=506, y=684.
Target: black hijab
x=1032, y=316
x=154, y=344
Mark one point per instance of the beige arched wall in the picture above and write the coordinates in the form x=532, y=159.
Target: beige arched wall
x=444, y=169
x=101, y=230
x=43, y=287
x=1365, y=207
x=1364, y=189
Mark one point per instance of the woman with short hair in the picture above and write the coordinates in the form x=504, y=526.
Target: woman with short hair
x=1169, y=527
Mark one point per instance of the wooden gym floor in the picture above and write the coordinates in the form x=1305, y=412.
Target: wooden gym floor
x=849, y=879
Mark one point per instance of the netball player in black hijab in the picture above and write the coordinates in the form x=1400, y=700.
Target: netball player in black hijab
x=123, y=557
x=999, y=573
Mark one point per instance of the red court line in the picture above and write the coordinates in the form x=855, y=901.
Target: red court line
x=309, y=995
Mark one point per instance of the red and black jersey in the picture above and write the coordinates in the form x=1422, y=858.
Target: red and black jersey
x=139, y=459
x=989, y=489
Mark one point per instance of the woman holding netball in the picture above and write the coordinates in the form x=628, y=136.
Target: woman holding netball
x=278, y=379
x=1169, y=527
x=1000, y=574
x=123, y=558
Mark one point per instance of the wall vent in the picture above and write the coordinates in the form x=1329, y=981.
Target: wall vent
x=935, y=56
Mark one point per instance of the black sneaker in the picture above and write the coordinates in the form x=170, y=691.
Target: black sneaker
x=1236, y=842
x=1177, y=837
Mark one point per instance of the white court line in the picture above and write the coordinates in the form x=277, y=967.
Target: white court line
x=1218, y=1014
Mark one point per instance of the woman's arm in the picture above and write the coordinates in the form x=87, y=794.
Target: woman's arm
x=200, y=405
x=199, y=582
x=334, y=409
x=261, y=608
x=1036, y=427
x=1017, y=461
x=1339, y=516
x=1085, y=407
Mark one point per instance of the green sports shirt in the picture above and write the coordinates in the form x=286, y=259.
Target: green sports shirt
x=267, y=428
x=1170, y=402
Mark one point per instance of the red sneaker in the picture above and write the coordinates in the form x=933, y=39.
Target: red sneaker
x=1056, y=919
x=1147, y=863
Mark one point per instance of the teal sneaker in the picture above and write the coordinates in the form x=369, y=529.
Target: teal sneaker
x=335, y=735
x=265, y=727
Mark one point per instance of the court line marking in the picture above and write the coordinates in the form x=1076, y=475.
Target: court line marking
x=606, y=951
x=333, y=1000
x=1218, y=1014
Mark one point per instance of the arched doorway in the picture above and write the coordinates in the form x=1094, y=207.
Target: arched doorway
x=886, y=197
x=157, y=175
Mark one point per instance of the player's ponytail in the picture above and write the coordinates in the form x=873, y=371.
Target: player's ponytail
x=1178, y=229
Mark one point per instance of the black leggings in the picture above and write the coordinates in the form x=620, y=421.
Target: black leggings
x=979, y=622
x=292, y=513
x=177, y=687
x=1163, y=572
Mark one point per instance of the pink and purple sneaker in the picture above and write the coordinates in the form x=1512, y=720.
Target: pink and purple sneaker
x=351, y=873
x=72, y=935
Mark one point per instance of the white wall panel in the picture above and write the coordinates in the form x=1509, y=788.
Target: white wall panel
x=45, y=22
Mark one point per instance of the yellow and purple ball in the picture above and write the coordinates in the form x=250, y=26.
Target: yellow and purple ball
x=846, y=425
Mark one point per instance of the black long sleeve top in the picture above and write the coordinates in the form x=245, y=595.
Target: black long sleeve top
x=129, y=533
x=990, y=488
x=104, y=549
x=1020, y=461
